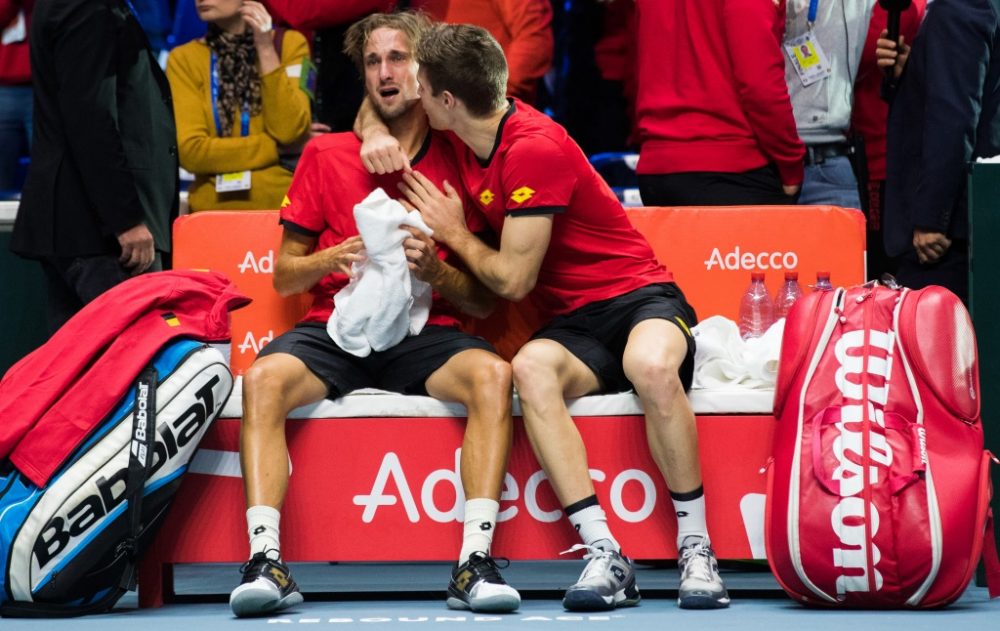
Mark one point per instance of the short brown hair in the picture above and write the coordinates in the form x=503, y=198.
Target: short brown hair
x=466, y=61
x=412, y=23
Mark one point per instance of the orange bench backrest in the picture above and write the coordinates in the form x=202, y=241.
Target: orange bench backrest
x=711, y=252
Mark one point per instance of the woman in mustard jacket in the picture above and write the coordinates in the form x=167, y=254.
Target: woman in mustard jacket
x=239, y=107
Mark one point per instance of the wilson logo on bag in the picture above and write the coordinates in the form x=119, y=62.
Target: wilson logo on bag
x=878, y=495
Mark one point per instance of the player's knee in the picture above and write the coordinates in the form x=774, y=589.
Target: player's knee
x=492, y=378
x=532, y=375
x=263, y=384
x=657, y=381
x=646, y=370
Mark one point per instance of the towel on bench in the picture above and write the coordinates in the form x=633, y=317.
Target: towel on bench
x=724, y=359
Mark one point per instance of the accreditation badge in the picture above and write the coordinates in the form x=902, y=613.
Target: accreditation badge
x=808, y=58
x=230, y=182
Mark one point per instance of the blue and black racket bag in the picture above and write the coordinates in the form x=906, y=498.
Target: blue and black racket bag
x=71, y=547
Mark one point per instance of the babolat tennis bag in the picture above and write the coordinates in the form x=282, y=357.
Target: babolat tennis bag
x=879, y=490
x=71, y=547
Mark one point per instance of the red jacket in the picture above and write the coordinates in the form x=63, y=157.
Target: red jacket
x=711, y=90
x=523, y=28
x=54, y=397
x=319, y=14
x=15, y=65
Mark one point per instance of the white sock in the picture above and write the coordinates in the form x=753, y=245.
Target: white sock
x=262, y=526
x=690, y=511
x=592, y=524
x=480, y=522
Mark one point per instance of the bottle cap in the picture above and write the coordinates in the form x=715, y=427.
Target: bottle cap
x=791, y=275
x=825, y=275
x=756, y=275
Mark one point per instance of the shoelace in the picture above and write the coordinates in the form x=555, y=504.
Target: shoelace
x=600, y=560
x=260, y=558
x=698, y=562
x=487, y=567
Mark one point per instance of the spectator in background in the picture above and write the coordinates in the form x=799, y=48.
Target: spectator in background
x=945, y=114
x=522, y=27
x=821, y=85
x=715, y=122
x=102, y=187
x=595, y=65
x=239, y=107
x=15, y=89
x=339, y=89
x=868, y=119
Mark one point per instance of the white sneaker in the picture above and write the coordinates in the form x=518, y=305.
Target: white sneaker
x=607, y=582
x=477, y=585
x=701, y=586
x=267, y=587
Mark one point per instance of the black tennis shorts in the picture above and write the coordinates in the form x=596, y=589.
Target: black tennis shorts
x=404, y=368
x=597, y=333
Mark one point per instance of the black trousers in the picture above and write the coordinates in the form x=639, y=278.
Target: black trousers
x=72, y=282
x=950, y=271
x=709, y=188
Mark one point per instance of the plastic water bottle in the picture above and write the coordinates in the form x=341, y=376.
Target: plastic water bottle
x=823, y=282
x=787, y=295
x=756, y=308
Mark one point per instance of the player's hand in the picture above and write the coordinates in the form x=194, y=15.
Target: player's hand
x=381, y=153
x=442, y=211
x=888, y=58
x=421, y=255
x=930, y=246
x=791, y=189
x=138, y=249
x=341, y=256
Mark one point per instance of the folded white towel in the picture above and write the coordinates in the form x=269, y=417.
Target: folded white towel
x=383, y=302
x=724, y=358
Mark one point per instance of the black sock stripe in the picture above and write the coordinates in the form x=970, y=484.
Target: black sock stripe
x=586, y=502
x=687, y=497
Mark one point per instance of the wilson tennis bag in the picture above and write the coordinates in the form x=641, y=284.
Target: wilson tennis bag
x=71, y=547
x=879, y=489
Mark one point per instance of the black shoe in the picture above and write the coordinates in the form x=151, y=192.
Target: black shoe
x=477, y=585
x=267, y=586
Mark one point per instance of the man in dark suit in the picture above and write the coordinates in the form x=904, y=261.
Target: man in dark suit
x=945, y=114
x=102, y=187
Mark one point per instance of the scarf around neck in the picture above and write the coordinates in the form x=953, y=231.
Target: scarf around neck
x=239, y=80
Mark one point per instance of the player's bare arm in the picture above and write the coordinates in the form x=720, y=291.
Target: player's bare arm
x=297, y=270
x=511, y=271
x=381, y=152
x=457, y=287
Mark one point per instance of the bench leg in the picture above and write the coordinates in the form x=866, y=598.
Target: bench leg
x=156, y=583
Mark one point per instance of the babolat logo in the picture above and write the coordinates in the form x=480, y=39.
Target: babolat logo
x=109, y=490
x=141, y=418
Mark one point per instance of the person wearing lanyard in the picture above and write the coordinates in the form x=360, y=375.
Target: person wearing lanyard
x=823, y=44
x=240, y=107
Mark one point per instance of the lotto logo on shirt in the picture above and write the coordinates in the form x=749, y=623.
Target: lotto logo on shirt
x=521, y=195
x=486, y=197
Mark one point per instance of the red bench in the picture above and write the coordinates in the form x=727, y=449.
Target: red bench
x=380, y=470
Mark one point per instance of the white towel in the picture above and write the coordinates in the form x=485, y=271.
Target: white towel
x=383, y=302
x=724, y=358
